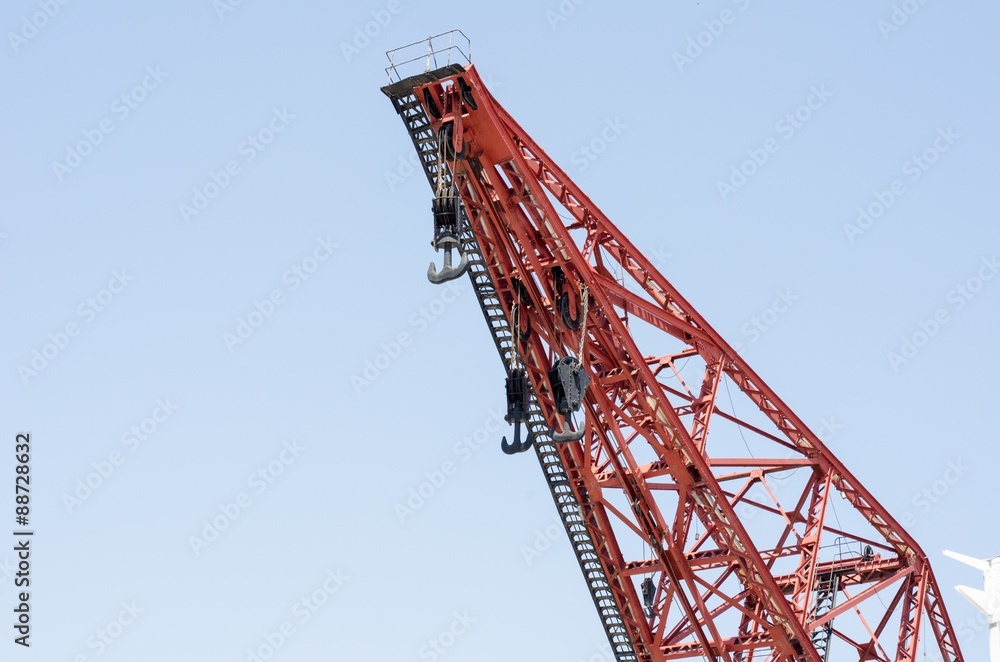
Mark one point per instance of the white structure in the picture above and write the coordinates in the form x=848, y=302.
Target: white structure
x=987, y=601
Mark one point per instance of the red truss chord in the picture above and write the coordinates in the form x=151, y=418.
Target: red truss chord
x=726, y=529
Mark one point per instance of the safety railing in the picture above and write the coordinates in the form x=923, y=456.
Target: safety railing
x=451, y=47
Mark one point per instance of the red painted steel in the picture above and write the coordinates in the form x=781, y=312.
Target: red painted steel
x=692, y=472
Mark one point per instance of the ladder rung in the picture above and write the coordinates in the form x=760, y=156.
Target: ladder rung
x=425, y=142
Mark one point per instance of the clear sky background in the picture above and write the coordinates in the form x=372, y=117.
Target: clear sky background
x=100, y=242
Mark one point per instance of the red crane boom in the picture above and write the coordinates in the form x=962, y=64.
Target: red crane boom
x=704, y=532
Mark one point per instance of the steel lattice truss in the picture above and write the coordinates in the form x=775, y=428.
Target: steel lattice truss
x=755, y=543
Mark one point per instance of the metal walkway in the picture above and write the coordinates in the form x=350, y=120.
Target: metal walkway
x=425, y=142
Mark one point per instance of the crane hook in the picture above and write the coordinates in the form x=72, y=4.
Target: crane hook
x=569, y=386
x=648, y=595
x=517, y=386
x=518, y=446
x=570, y=433
x=446, y=223
x=447, y=272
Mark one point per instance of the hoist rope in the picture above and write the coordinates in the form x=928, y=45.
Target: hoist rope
x=515, y=334
x=439, y=186
x=585, y=295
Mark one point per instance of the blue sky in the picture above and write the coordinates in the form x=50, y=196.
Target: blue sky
x=312, y=233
